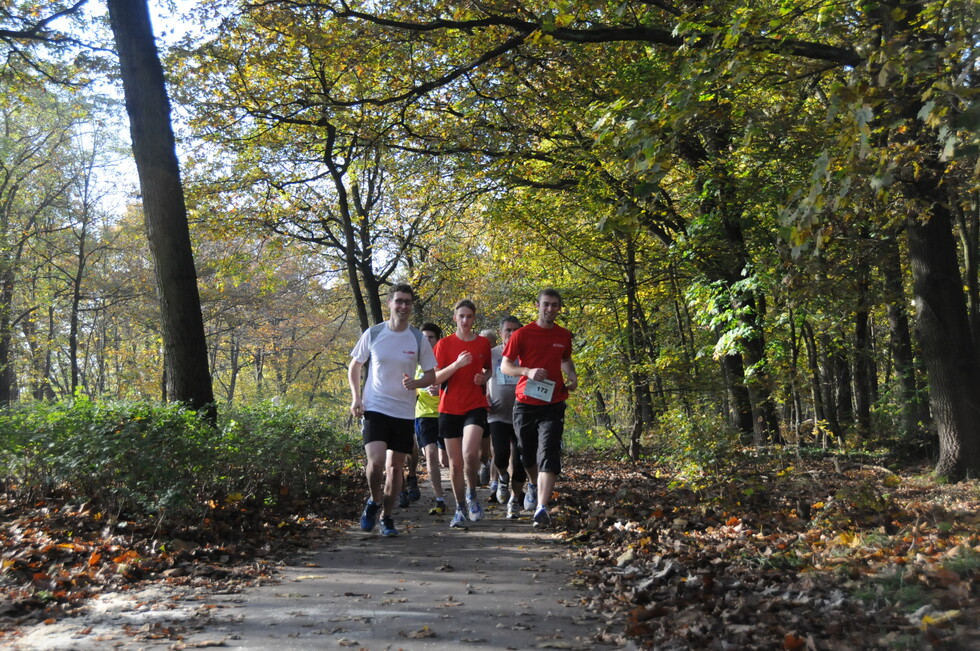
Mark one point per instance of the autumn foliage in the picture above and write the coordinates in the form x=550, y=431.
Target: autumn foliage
x=782, y=548
x=783, y=551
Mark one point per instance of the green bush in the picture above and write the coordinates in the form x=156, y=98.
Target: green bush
x=699, y=440
x=143, y=458
x=266, y=450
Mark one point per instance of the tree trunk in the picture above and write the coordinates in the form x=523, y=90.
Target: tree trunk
x=182, y=324
x=76, y=303
x=968, y=225
x=946, y=338
x=914, y=411
x=828, y=389
x=765, y=423
x=602, y=417
x=863, y=361
x=816, y=389
x=8, y=388
x=740, y=407
x=839, y=367
x=234, y=355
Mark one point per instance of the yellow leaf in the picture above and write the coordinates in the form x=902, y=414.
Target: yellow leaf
x=942, y=618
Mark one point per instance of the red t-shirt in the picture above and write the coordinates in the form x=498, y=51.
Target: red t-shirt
x=459, y=393
x=536, y=347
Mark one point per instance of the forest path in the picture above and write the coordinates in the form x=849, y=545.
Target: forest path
x=495, y=584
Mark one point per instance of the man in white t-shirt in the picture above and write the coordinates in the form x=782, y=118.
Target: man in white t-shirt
x=387, y=405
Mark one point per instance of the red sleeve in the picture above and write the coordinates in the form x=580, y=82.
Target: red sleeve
x=510, y=350
x=489, y=354
x=440, y=351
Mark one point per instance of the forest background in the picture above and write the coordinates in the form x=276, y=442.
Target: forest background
x=763, y=217
x=742, y=214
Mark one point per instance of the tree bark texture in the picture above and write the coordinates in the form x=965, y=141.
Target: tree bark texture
x=947, y=343
x=185, y=356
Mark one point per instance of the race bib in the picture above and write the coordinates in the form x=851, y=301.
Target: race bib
x=504, y=379
x=542, y=390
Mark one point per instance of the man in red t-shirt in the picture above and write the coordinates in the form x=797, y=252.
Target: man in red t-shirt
x=540, y=353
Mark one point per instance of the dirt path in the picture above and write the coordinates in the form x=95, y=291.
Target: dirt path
x=497, y=584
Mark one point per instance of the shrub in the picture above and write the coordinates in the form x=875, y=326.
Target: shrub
x=699, y=440
x=141, y=458
x=267, y=450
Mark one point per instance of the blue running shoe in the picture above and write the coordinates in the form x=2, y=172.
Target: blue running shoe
x=370, y=515
x=388, y=527
x=459, y=519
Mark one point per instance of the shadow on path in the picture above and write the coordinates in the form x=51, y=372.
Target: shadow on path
x=496, y=584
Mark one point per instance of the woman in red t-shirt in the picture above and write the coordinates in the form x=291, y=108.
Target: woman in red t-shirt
x=462, y=369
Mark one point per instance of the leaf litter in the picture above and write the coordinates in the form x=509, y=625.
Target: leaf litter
x=811, y=554
x=807, y=554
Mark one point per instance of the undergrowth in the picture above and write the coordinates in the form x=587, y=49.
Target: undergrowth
x=139, y=458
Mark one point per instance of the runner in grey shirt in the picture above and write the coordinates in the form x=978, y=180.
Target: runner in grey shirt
x=506, y=455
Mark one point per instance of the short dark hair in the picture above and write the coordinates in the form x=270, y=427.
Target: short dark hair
x=510, y=318
x=549, y=291
x=400, y=287
x=431, y=327
x=465, y=303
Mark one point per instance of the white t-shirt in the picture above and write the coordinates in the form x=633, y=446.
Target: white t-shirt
x=393, y=356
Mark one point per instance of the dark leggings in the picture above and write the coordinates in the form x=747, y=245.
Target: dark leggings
x=504, y=442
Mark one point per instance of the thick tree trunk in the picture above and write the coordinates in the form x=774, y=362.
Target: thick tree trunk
x=185, y=356
x=947, y=341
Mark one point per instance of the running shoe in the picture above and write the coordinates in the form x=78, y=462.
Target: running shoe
x=403, y=500
x=370, y=515
x=493, y=493
x=541, y=518
x=459, y=519
x=485, y=473
x=530, y=497
x=439, y=508
x=414, y=494
x=503, y=488
x=476, y=511
x=388, y=527
x=512, y=510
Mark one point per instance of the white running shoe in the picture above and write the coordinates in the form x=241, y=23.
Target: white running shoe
x=503, y=488
x=530, y=497
x=476, y=511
